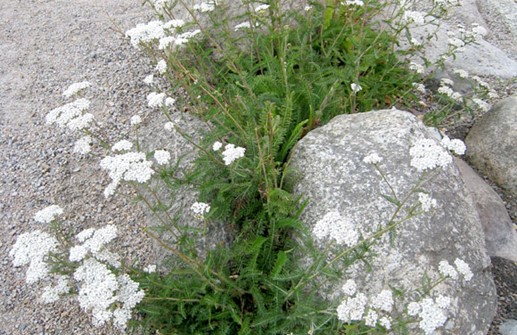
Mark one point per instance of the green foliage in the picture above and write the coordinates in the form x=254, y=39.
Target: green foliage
x=263, y=89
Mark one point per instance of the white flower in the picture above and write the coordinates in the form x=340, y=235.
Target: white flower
x=155, y=100
x=217, y=146
x=76, y=88
x=51, y=293
x=48, y=214
x=385, y=322
x=149, y=80
x=478, y=31
x=146, y=33
x=83, y=145
x=447, y=270
x=418, y=68
x=419, y=87
x=169, y=102
x=94, y=242
x=353, y=3
x=481, y=82
x=162, y=156
x=129, y=295
x=32, y=249
x=427, y=154
x=177, y=23
x=150, y=268
x=426, y=201
x=482, y=105
x=352, y=308
x=131, y=166
x=185, y=37
x=349, y=287
x=446, y=90
x=372, y=158
x=307, y=8
x=160, y=5
x=454, y=145
x=461, y=73
x=164, y=43
x=261, y=8
x=200, y=209
x=168, y=126
x=122, y=145
x=135, y=120
x=355, y=87
x=432, y=316
x=415, y=42
x=383, y=301
x=371, y=318
x=97, y=290
x=446, y=82
x=464, y=269
x=161, y=66
x=242, y=25
x=231, y=153
x=64, y=114
x=204, y=7
x=335, y=227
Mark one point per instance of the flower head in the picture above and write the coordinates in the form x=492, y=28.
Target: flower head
x=355, y=87
x=123, y=145
x=48, y=214
x=200, y=209
x=162, y=156
x=335, y=227
x=426, y=154
x=135, y=120
x=231, y=153
x=76, y=88
x=83, y=145
x=161, y=66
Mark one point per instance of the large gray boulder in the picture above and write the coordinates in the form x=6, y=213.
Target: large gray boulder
x=491, y=144
x=334, y=178
x=500, y=234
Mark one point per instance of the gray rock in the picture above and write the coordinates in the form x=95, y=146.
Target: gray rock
x=333, y=176
x=500, y=236
x=509, y=327
x=491, y=144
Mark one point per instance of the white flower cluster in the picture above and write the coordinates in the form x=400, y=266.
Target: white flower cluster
x=462, y=268
x=168, y=126
x=83, y=145
x=335, y=227
x=76, y=88
x=135, y=120
x=131, y=166
x=48, y=214
x=419, y=87
x=94, y=243
x=372, y=158
x=353, y=3
x=205, y=7
x=71, y=115
x=242, y=25
x=101, y=290
x=454, y=145
x=357, y=306
x=261, y=8
x=157, y=100
x=123, y=145
x=200, y=209
x=161, y=66
x=426, y=154
x=32, y=249
x=160, y=5
x=231, y=153
x=446, y=89
x=162, y=156
x=426, y=202
x=418, y=68
x=432, y=313
x=149, y=79
x=355, y=87
x=146, y=33
x=482, y=105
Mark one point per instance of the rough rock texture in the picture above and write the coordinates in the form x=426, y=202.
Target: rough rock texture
x=493, y=55
x=504, y=276
x=334, y=177
x=491, y=144
x=500, y=234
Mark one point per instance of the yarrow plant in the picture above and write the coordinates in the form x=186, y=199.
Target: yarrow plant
x=261, y=76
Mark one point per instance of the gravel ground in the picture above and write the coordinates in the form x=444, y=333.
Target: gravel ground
x=45, y=46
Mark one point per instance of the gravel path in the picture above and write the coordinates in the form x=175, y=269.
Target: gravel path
x=45, y=46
